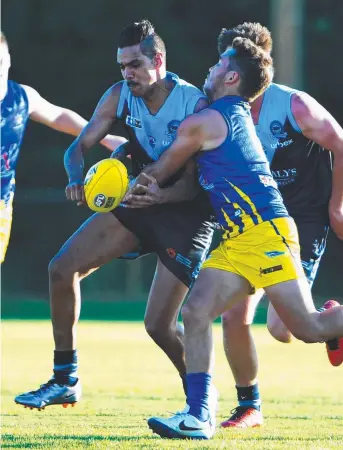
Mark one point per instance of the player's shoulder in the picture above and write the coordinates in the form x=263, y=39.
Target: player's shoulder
x=17, y=91
x=185, y=85
x=277, y=90
x=13, y=86
x=116, y=88
x=206, y=118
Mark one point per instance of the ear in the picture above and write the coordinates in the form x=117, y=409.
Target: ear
x=158, y=60
x=231, y=77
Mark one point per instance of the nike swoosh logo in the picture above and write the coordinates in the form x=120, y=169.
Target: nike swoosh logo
x=70, y=395
x=184, y=427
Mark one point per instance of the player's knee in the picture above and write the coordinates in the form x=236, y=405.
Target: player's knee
x=310, y=334
x=153, y=328
x=193, y=317
x=233, y=318
x=280, y=332
x=59, y=272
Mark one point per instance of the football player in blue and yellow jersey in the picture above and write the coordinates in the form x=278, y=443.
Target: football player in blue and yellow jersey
x=260, y=247
x=18, y=104
x=298, y=136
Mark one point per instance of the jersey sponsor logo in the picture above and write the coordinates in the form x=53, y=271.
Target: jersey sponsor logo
x=282, y=144
x=267, y=180
x=274, y=254
x=205, y=184
x=284, y=177
x=278, y=132
x=133, y=122
x=270, y=270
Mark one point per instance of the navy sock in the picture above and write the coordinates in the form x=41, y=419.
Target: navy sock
x=249, y=396
x=184, y=383
x=198, y=385
x=65, y=367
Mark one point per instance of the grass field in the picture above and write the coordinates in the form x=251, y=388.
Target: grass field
x=126, y=379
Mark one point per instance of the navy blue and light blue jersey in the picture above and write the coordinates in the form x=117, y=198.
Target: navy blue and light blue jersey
x=236, y=175
x=152, y=134
x=301, y=168
x=14, y=116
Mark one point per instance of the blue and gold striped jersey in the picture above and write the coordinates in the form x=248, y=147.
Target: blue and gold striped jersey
x=14, y=116
x=236, y=174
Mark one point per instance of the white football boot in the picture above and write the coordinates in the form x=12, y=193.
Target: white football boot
x=212, y=403
x=182, y=426
x=192, y=428
x=50, y=394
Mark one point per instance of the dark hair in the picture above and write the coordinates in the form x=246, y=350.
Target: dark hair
x=254, y=65
x=142, y=33
x=254, y=31
x=3, y=39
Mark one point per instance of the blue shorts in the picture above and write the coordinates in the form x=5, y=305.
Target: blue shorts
x=312, y=239
x=179, y=233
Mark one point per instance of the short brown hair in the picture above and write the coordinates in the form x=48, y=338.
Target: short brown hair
x=254, y=65
x=142, y=33
x=254, y=31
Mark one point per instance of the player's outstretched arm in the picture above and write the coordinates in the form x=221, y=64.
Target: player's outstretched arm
x=97, y=128
x=203, y=131
x=317, y=124
x=62, y=119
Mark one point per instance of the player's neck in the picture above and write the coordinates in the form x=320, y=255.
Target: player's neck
x=256, y=106
x=158, y=94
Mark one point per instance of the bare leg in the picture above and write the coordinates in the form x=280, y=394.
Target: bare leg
x=293, y=302
x=214, y=292
x=239, y=344
x=276, y=327
x=165, y=299
x=100, y=239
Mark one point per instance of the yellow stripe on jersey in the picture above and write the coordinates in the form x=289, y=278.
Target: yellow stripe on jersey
x=247, y=199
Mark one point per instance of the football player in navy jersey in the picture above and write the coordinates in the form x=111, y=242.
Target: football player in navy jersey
x=150, y=102
x=18, y=104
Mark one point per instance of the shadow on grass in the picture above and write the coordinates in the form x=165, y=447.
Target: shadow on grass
x=10, y=441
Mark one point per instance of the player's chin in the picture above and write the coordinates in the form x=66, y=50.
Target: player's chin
x=136, y=90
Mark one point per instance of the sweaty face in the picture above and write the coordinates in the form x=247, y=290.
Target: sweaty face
x=215, y=81
x=137, y=69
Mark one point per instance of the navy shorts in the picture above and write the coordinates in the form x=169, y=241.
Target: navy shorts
x=179, y=233
x=312, y=239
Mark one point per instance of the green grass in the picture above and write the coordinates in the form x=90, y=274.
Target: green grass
x=126, y=379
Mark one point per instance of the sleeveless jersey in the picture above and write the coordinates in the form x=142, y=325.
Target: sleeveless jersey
x=301, y=168
x=236, y=174
x=150, y=135
x=14, y=116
